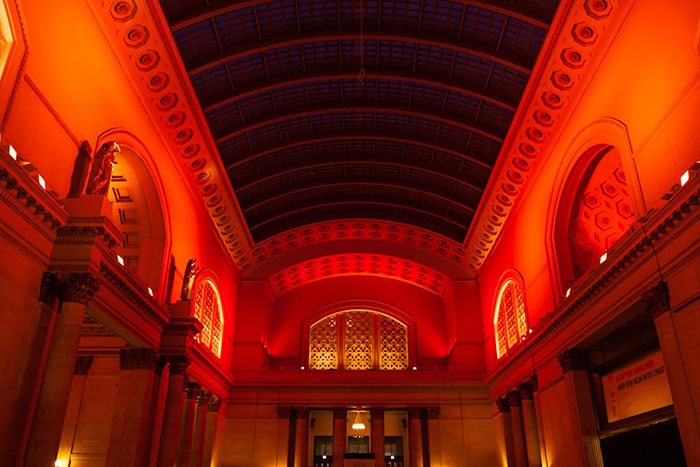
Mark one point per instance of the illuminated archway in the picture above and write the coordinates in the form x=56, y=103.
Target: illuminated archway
x=358, y=340
x=206, y=304
x=510, y=321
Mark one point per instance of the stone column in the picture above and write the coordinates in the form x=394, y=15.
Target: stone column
x=339, y=435
x=574, y=365
x=677, y=332
x=172, y=415
x=504, y=421
x=200, y=428
x=414, y=437
x=301, y=448
x=516, y=417
x=212, y=425
x=192, y=391
x=532, y=439
x=290, y=415
x=28, y=393
x=377, y=414
x=132, y=420
x=431, y=413
x=76, y=291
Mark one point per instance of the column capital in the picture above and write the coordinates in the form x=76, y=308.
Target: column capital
x=83, y=364
x=214, y=404
x=657, y=299
x=339, y=413
x=377, y=413
x=432, y=413
x=192, y=390
x=573, y=360
x=203, y=398
x=78, y=287
x=178, y=364
x=138, y=359
x=514, y=399
x=526, y=391
x=302, y=411
x=284, y=411
x=503, y=405
x=49, y=291
x=160, y=364
x=415, y=413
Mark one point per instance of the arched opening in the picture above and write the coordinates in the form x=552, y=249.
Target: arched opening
x=206, y=305
x=358, y=340
x=595, y=212
x=510, y=322
x=137, y=212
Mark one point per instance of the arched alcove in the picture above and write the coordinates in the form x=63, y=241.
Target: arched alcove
x=139, y=212
x=595, y=201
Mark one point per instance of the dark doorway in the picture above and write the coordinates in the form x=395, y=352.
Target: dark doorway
x=653, y=445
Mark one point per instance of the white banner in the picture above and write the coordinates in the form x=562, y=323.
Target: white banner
x=637, y=388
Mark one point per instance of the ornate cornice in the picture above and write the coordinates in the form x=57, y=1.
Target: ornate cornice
x=131, y=292
x=21, y=191
x=555, y=87
x=141, y=39
x=138, y=359
x=86, y=231
x=641, y=245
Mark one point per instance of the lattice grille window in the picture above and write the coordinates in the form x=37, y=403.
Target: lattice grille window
x=207, y=309
x=358, y=340
x=393, y=351
x=323, y=348
x=510, y=321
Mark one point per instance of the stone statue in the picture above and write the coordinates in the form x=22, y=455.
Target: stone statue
x=188, y=280
x=101, y=170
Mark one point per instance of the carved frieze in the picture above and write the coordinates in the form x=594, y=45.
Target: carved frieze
x=138, y=359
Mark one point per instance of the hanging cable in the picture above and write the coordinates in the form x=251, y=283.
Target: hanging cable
x=361, y=75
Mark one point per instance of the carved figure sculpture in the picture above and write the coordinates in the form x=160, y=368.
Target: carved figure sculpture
x=188, y=279
x=101, y=171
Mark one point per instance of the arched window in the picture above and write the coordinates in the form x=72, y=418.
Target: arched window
x=510, y=317
x=207, y=309
x=358, y=340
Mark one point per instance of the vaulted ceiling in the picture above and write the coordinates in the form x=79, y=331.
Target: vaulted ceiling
x=389, y=111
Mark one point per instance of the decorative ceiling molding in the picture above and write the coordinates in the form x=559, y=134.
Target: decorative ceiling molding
x=555, y=86
x=357, y=229
x=359, y=264
x=139, y=35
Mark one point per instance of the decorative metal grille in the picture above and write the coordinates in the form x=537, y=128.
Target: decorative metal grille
x=208, y=311
x=358, y=340
x=323, y=345
x=393, y=346
x=369, y=341
x=511, y=323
